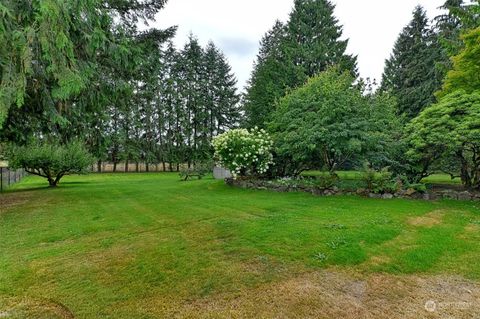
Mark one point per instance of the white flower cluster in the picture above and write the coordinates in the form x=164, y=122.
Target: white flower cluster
x=244, y=152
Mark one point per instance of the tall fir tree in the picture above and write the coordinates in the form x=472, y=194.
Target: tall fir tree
x=410, y=73
x=314, y=40
x=449, y=26
x=172, y=110
x=196, y=100
x=221, y=93
x=191, y=64
x=308, y=44
x=269, y=79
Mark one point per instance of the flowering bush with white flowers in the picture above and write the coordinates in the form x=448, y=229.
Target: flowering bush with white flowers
x=244, y=152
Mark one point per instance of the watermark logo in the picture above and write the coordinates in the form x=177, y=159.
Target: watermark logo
x=431, y=306
x=434, y=306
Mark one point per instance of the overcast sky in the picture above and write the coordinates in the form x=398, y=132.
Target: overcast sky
x=237, y=27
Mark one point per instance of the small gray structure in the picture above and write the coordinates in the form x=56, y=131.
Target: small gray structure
x=221, y=173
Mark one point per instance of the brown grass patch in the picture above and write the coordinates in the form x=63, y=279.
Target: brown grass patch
x=335, y=294
x=472, y=229
x=323, y=294
x=33, y=308
x=10, y=200
x=429, y=220
x=471, y=232
x=380, y=260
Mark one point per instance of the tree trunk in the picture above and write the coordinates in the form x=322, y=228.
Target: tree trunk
x=52, y=182
x=464, y=171
x=99, y=166
x=137, y=165
x=126, y=165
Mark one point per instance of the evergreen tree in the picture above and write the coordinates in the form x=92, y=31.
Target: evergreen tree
x=314, y=40
x=308, y=44
x=269, y=79
x=449, y=26
x=410, y=73
x=222, y=99
x=208, y=91
x=191, y=65
x=169, y=111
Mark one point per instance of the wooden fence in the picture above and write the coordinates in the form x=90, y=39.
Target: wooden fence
x=106, y=167
x=9, y=177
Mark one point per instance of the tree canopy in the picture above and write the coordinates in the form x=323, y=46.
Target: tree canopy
x=450, y=129
x=465, y=73
x=326, y=123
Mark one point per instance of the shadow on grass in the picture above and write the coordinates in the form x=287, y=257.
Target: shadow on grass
x=25, y=190
x=38, y=187
x=75, y=183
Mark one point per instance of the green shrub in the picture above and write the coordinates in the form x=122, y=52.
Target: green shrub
x=378, y=181
x=51, y=160
x=327, y=181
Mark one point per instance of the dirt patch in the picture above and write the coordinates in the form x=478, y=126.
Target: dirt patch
x=429, y=220
x=33, y=308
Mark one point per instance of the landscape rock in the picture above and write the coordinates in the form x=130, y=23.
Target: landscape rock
x=361, y=191
x=464, y=196
x=328, y=192
x=449, y=194
x=409, y=192
x=282, y=189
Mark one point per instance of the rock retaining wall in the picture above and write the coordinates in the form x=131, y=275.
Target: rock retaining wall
x=408, y=193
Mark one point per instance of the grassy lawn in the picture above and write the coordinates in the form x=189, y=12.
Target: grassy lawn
x=150, y=246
